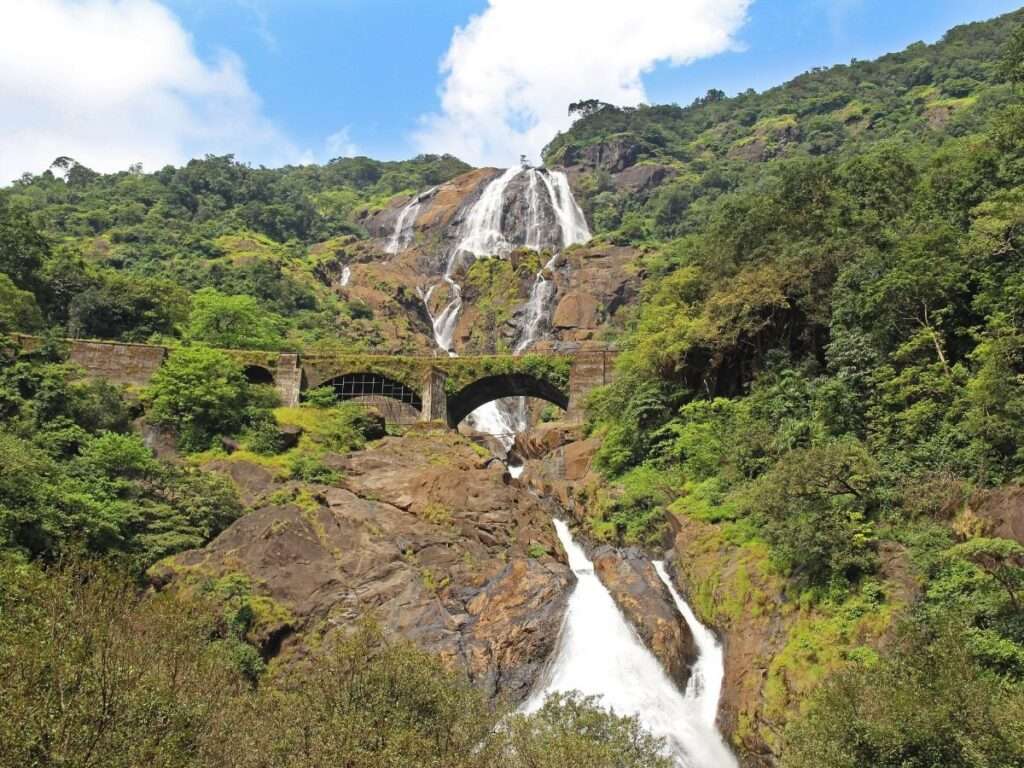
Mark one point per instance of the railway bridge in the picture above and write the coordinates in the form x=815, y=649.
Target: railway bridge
x=405, y=388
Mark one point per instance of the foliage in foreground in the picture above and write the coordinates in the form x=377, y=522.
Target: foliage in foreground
x=93, y=675
x=929, y=704
x=76, y=481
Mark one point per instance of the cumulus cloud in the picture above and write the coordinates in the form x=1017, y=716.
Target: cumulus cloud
x=115, y=82
x=512, y=71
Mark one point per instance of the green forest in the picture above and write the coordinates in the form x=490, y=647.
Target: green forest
x=826, y=363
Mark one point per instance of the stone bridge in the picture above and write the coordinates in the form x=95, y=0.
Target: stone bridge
x=405, y=388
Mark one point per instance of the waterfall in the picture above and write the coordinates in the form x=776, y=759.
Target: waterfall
x=599, y=654
x=346, y=275
x=405, y=224
x=537, y=308
x=705, y=686
x=571, y=220
x=483, y=233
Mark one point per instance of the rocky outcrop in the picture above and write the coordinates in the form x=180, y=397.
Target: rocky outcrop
x=643, y=598
x=642, y=178
x=614, y=155
x=422, y=534
x=996, y=512
x=595, y=284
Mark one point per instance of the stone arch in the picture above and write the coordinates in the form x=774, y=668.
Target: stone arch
x=258, y=374
x=489, y=388
x=397, y=402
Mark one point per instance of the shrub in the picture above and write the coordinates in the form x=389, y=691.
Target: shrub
x=200, y=393
x=928, y=704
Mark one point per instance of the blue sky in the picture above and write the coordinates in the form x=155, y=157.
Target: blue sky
x=372, y=65
x=286, y=81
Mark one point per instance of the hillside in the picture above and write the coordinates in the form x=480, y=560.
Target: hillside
x=815, y=295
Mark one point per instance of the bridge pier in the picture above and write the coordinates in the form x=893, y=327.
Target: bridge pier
x=590, y=369
x=288, y=379
x=433, y=396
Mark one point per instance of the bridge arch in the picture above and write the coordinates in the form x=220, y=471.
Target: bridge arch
x=495, y=387
x=397, y=402
x=258, y=374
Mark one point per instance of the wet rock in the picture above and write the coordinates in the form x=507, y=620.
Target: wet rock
x=643, y=598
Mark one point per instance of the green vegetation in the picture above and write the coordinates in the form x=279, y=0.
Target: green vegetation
x=75, y=482
x=201, y=393
x=826, y=363
x=86, y=680
x=216, y=251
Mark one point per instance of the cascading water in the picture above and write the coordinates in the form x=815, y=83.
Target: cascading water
x=405, y=230
x=537, y=308
x=599, y=654
x=484, y=232
x=705, y=686
x=346, y=276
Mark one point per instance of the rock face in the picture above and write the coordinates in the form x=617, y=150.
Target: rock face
x=423, y=535
x=646, y=602
x=998, y=512
x=593, y=286
x=614, y=155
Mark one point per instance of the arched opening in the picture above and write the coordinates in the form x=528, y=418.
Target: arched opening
x=398, y=403
x=257, y=374
x=490, y=388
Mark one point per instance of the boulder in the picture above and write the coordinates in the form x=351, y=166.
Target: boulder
x=648, y=605
x=253, y=481
x=545, y=438
x=288, y=436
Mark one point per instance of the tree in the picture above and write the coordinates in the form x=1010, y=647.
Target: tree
x=18, y=309
x=91, y=675
x=23, y=248
x=200, y=393
x=587, y=107
x=1011, y=65
x=927, y=705
x=123, y=306
x=236, y=322
x=1002, y=559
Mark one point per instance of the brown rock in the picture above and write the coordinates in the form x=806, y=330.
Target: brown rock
x=646, y=602
x=576, y=310
x=545, y=438
x=421, y=536
x=252, y=480
x=998, y=512
x=578, y=458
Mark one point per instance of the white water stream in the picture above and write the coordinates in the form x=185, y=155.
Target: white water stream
x=405, y=230
x=599, y=654
x=483, y=233
x=598, y=651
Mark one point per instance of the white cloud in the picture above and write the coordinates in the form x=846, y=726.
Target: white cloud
x=513, y=70
x=114, y=82
x=340, y=144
